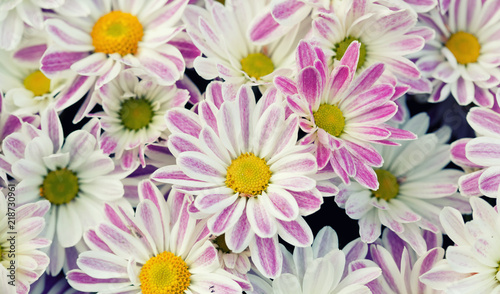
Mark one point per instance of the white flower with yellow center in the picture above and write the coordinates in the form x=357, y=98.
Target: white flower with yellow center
x=134, y=115
x=75, y=177
x=221, y=33
x=463, y=56
x=21, y=261
x=144, y=35
x=159, y=250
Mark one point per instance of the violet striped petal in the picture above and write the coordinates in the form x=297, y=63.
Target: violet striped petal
x=285, y=85
x=239, y=236
x=366, y=79
x=203, y=259
x=102, y=265
x=297, y=164
x=289, y=12
x=351, y=56
x=263, y=224
x=271, y=119
x=280, y=203
x=489, y=182
x=179, y=143
x=219, y=283
x=469, y=184
x=226, y=218
x=309, y=85
x=51, y=125
x=174, y=175
x=305, y=55
x=216, y=200
x=484, y=121
x=296, y=232
x=122, y=244
x=94, y=242
x=308, y=201
x=181, y=120
x=149, y=220
x=267, y=256
x=83, y=282
x=453, y=224
x=484, y=151
x=198, y=166
x=264, y=29
x=67, y=36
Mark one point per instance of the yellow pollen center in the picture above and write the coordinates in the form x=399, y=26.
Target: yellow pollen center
x=464, y=46
x=248, y=175
x=257, y=65
x=117, y=32
x=330, y=118
x=388, y=185
x=37, y=83
x=164, y=274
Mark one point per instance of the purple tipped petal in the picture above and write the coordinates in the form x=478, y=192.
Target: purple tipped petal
x=267, y=256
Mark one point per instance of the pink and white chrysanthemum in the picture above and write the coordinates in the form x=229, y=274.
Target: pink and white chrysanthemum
x=250, y=178
x=221, y=33
x=401, y=266
x=342, y=114
x=321, y=268
x=133, y=253
x=480, y=156
x=76, y=177
x=143, y=35
x=16, y=14
x=133, y=115
x=21, y=261
x=472, y=265
x=413, y=188
x=463, y=56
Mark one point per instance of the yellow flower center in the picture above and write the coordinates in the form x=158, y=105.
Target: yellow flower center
x=248, y=175
x=117, y=32
x=330, y=118
x=136, y=113
x=37, y=83
x=464, y=46
x=164, y=274
x=388, y=185
x=257, y=65
x=341, y=48
x=59, y=186
x=220, y=241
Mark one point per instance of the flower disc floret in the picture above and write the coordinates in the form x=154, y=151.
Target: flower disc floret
x=464, y=46
x=37, y=83
x=117, y=32
x=388, y=185
x=136, y=114
x=248, y=174
x=330, y=118
x=165, y=274
x=341, y=47
x=60, y=186
x=257, y=65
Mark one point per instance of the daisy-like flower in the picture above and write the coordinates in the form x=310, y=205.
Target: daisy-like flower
x=472, y=265
x=463, y=57
x=320, y=269
x=401, y=266
x=159, y=250
x=342, y=114
x=480, y=156
x=413, y=188
x=21, y=261
x=75, y=177
x=15, y=14
x=220, y=32
x=133, y=115
x=251, y=181
x=144, y=35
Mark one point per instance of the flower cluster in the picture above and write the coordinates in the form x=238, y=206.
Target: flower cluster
x=264, y=146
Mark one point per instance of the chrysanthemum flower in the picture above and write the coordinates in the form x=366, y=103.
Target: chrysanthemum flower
x=413, y=188
x=134, y=115
x=480, y=156
x=342, y=114
x=472, y=265
x=220, y=32
x=16, y=14
x=401, y=266
x=144, y=35
x=159, y=250
x=321, y=268
x=463, y=57
x=21, y=263
x=75, y=177
x=252, y=181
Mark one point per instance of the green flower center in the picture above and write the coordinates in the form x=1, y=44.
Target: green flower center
x=330, y=118
x=136, y=113
x=257, y=65
x=37, y=83
x=388, y=185
x=59, y=186
x=341, y=48
x=220, y=241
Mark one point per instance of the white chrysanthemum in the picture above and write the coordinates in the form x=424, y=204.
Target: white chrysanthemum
x=159, y=250
x=21, y=263
x=413, y=188
x=221, y=33
x=76, y=177
x=134, y=115
x=320, y=269
x=463, y=57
